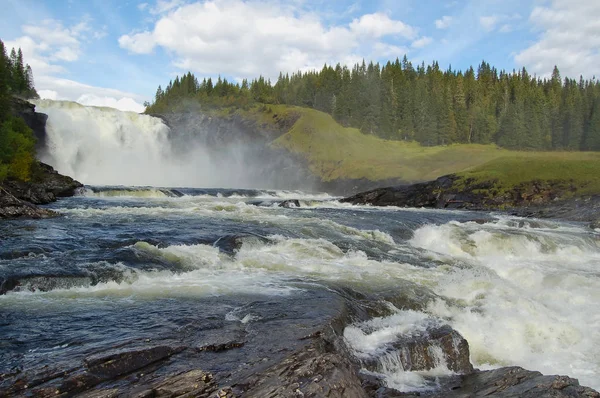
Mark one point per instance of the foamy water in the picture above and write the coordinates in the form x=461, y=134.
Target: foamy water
x=521, y=292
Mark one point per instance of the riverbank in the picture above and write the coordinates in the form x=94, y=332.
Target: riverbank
x=21, y=198
x=559, y=199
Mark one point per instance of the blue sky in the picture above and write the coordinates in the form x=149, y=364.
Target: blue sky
x=116, y=53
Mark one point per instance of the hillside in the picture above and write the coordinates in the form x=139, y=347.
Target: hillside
x=334, y=152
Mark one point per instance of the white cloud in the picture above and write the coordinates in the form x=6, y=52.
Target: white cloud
x=569, y=37
x=48, y=46
x=139, y=43
x=444, y=22
x=506, y=28
x=422, y=42
x=56, y=88
x=378, y=25
x=124, y=104
x=488, y=22
x=245, y=39
x=163, y=6
x=142, y=6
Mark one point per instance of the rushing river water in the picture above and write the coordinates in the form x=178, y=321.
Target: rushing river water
x=140, y=264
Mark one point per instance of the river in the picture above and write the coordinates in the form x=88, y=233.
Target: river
x=139, y=264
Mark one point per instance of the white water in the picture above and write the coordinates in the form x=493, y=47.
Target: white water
x=526, y=296
x=522, y=293
x=105, y=146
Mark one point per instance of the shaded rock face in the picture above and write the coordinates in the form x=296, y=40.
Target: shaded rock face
x=35, y=120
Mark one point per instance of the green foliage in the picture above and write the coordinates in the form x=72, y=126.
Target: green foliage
x=17, y=142
x=17, y=148
x=433, y=107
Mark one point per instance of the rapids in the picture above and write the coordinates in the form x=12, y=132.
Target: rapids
x=148, y=263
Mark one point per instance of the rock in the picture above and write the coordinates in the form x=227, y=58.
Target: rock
x=195, y=383
x=35, y=120
x=310, y=372
x=290, y=203
x=13, y=207
x=231, y=244
x=595, y=224
x=518, y=382
x=123, y=362
x=18, y=198
x=427, y=351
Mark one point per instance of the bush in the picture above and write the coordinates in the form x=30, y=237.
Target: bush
x=17, y=149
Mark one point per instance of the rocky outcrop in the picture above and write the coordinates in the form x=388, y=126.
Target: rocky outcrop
x=13, y=207
x=19, y=198
x=543, y=199
x=35, y=120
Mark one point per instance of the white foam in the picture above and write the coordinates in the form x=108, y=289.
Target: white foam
x=524, y=296
x=371, y=340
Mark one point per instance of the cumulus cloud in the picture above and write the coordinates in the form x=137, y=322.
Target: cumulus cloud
x=245, y=39
x=124, y=103
x=421, y=42
x=488, y=22
x=163, y=6
x=48, y=47
x=569, y=37
x=56, y=88
x=444, y=22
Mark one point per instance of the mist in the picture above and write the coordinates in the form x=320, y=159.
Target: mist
x=105, y=146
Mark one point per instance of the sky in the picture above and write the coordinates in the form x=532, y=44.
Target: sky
x=116, y=52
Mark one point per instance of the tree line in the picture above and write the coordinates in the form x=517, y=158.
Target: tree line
x=17, y=142
x=398, y=101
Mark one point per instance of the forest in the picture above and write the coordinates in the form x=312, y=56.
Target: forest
x=17, y=143
x=425, y=104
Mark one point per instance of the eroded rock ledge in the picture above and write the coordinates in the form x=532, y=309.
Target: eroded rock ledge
x=20, y=199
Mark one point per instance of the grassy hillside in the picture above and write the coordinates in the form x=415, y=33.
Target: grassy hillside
x=581, y=170
x=335, y=152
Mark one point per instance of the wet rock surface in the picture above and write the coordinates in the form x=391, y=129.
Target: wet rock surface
x=425, y=351
x=295, y=354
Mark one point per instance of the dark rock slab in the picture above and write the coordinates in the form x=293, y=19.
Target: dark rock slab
x=517, y=382
x=313, y=371
x=115, y=364
x=13, y=207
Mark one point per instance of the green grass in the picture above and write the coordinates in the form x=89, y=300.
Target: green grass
x=335, y=152
x=580, y=169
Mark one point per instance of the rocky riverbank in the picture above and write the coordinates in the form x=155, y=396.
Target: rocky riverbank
x=316, y=365
x=540, y=199
x=21, y=198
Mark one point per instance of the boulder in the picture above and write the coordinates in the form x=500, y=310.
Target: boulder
x=441, y=346
x=290, y=203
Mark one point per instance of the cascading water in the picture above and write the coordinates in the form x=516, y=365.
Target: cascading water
x=104, y=146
